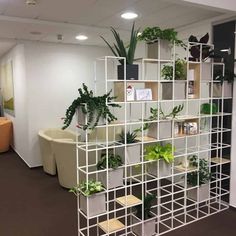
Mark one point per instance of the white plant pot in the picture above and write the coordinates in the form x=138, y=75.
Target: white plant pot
x=149, y=227
x=165, y=129
x=82, y=118
x=115, y=178
x=131, y=155
x=206, y=71
x=165, y=50
x=96, y=204
x=179, y=90
x=217, y=90
x=205, y=90
x=204, y=193
x=159, y=168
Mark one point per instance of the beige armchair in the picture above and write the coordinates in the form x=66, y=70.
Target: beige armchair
x=45, y=139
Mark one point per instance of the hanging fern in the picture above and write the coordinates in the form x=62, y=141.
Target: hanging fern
x=94, y=107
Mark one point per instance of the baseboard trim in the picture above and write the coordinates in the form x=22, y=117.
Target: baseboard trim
x=232, y=208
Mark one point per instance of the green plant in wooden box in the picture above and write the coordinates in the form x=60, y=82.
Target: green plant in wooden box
x=180, y=70
x=94, y=107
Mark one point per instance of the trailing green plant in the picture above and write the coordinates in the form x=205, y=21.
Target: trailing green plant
x=88, y=188
x=208, y=108
x=229, y=76
x=145, y=208
x=180, y=70
x=154, y=116
x=129, y=137
x=94, y=107
x=119, y=49
x=152, y=34
x=202, y=176
x=114, y=161
x=158, y=151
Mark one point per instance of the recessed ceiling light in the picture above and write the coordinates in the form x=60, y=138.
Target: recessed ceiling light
x=129, y=15
x=81, y=37
x=35, y=33
x=31, y=2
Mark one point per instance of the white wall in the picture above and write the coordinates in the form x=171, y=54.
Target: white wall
x=20, y=121
x=54, y=72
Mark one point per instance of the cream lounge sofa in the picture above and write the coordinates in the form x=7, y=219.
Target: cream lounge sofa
x=45, y=139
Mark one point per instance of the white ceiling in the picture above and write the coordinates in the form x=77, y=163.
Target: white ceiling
x=92, y=17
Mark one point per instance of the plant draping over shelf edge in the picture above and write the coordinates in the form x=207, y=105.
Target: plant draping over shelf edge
x=90, y=105
x=88, y=188
x=114, y=161
x=152, y=34
x=120, y=50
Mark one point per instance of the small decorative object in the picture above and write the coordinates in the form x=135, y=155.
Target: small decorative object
x=144, y=94
x=92, y=107
x=191, y=75
x=120, y=50
x=143, y=212
x=91, y=195
x=195, y=50
x=190, y=128
x=176, y=128
x=130, y=93
x=191, y=89
x=209, y=108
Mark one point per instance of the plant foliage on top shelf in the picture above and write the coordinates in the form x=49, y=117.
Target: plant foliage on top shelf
x=152, y=34
x=88, y=188
x=180, y=70
x=113, y=161
x=94, y=107
x=119, y=49
x=145, y=209
x=195, y=49
x=202, y=176
x=158, y=151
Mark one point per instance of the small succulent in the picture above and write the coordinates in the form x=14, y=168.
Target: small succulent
x=129, y=137
x=114, y=161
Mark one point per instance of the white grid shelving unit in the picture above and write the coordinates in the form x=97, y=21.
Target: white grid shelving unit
x=173, y=206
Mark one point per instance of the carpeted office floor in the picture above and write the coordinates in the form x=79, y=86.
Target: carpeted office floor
x=33, y=204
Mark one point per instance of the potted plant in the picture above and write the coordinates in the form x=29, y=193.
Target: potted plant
x=120, y=50
x=156, y=39
x=208, y=108
x=163, y=155
x=199, y=178
x=115, y=174
x=180, y=76
x=131, y=153
x=95, y=108
x=143, y=213
x=91, y=194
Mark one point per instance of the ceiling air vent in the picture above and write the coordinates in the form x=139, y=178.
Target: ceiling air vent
x=31, y=2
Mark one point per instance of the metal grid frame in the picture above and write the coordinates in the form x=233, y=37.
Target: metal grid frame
x=173, y=208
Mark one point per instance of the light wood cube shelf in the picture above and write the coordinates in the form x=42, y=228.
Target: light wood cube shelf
x=111, y=225
x=129, y=200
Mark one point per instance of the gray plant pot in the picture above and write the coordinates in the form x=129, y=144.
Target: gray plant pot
x=132, y=154
x=204, y=193
x=149, y=228
x=159, y=168
x=217, y=90
x=179, y=89
x=82, y=118
x=205, y=90
x=165, y=129
x=115, y=178
x=206, y=71
x=96, y=204
x=152, y=130
x=165, y=50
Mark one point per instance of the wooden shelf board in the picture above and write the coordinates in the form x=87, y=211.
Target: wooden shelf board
x=183, y=169
x=146, y=139
x=129, y=200
x=111, y=225
x=218, y=160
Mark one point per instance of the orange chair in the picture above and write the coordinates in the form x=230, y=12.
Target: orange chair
x=5, y=134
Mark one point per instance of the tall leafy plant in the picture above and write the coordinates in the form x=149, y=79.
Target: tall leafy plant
x=119, y=49
x=92, y=106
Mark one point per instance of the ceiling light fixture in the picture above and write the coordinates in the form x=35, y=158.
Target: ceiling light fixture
x=31, y=2
x=129, y=15
x=81, y=37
